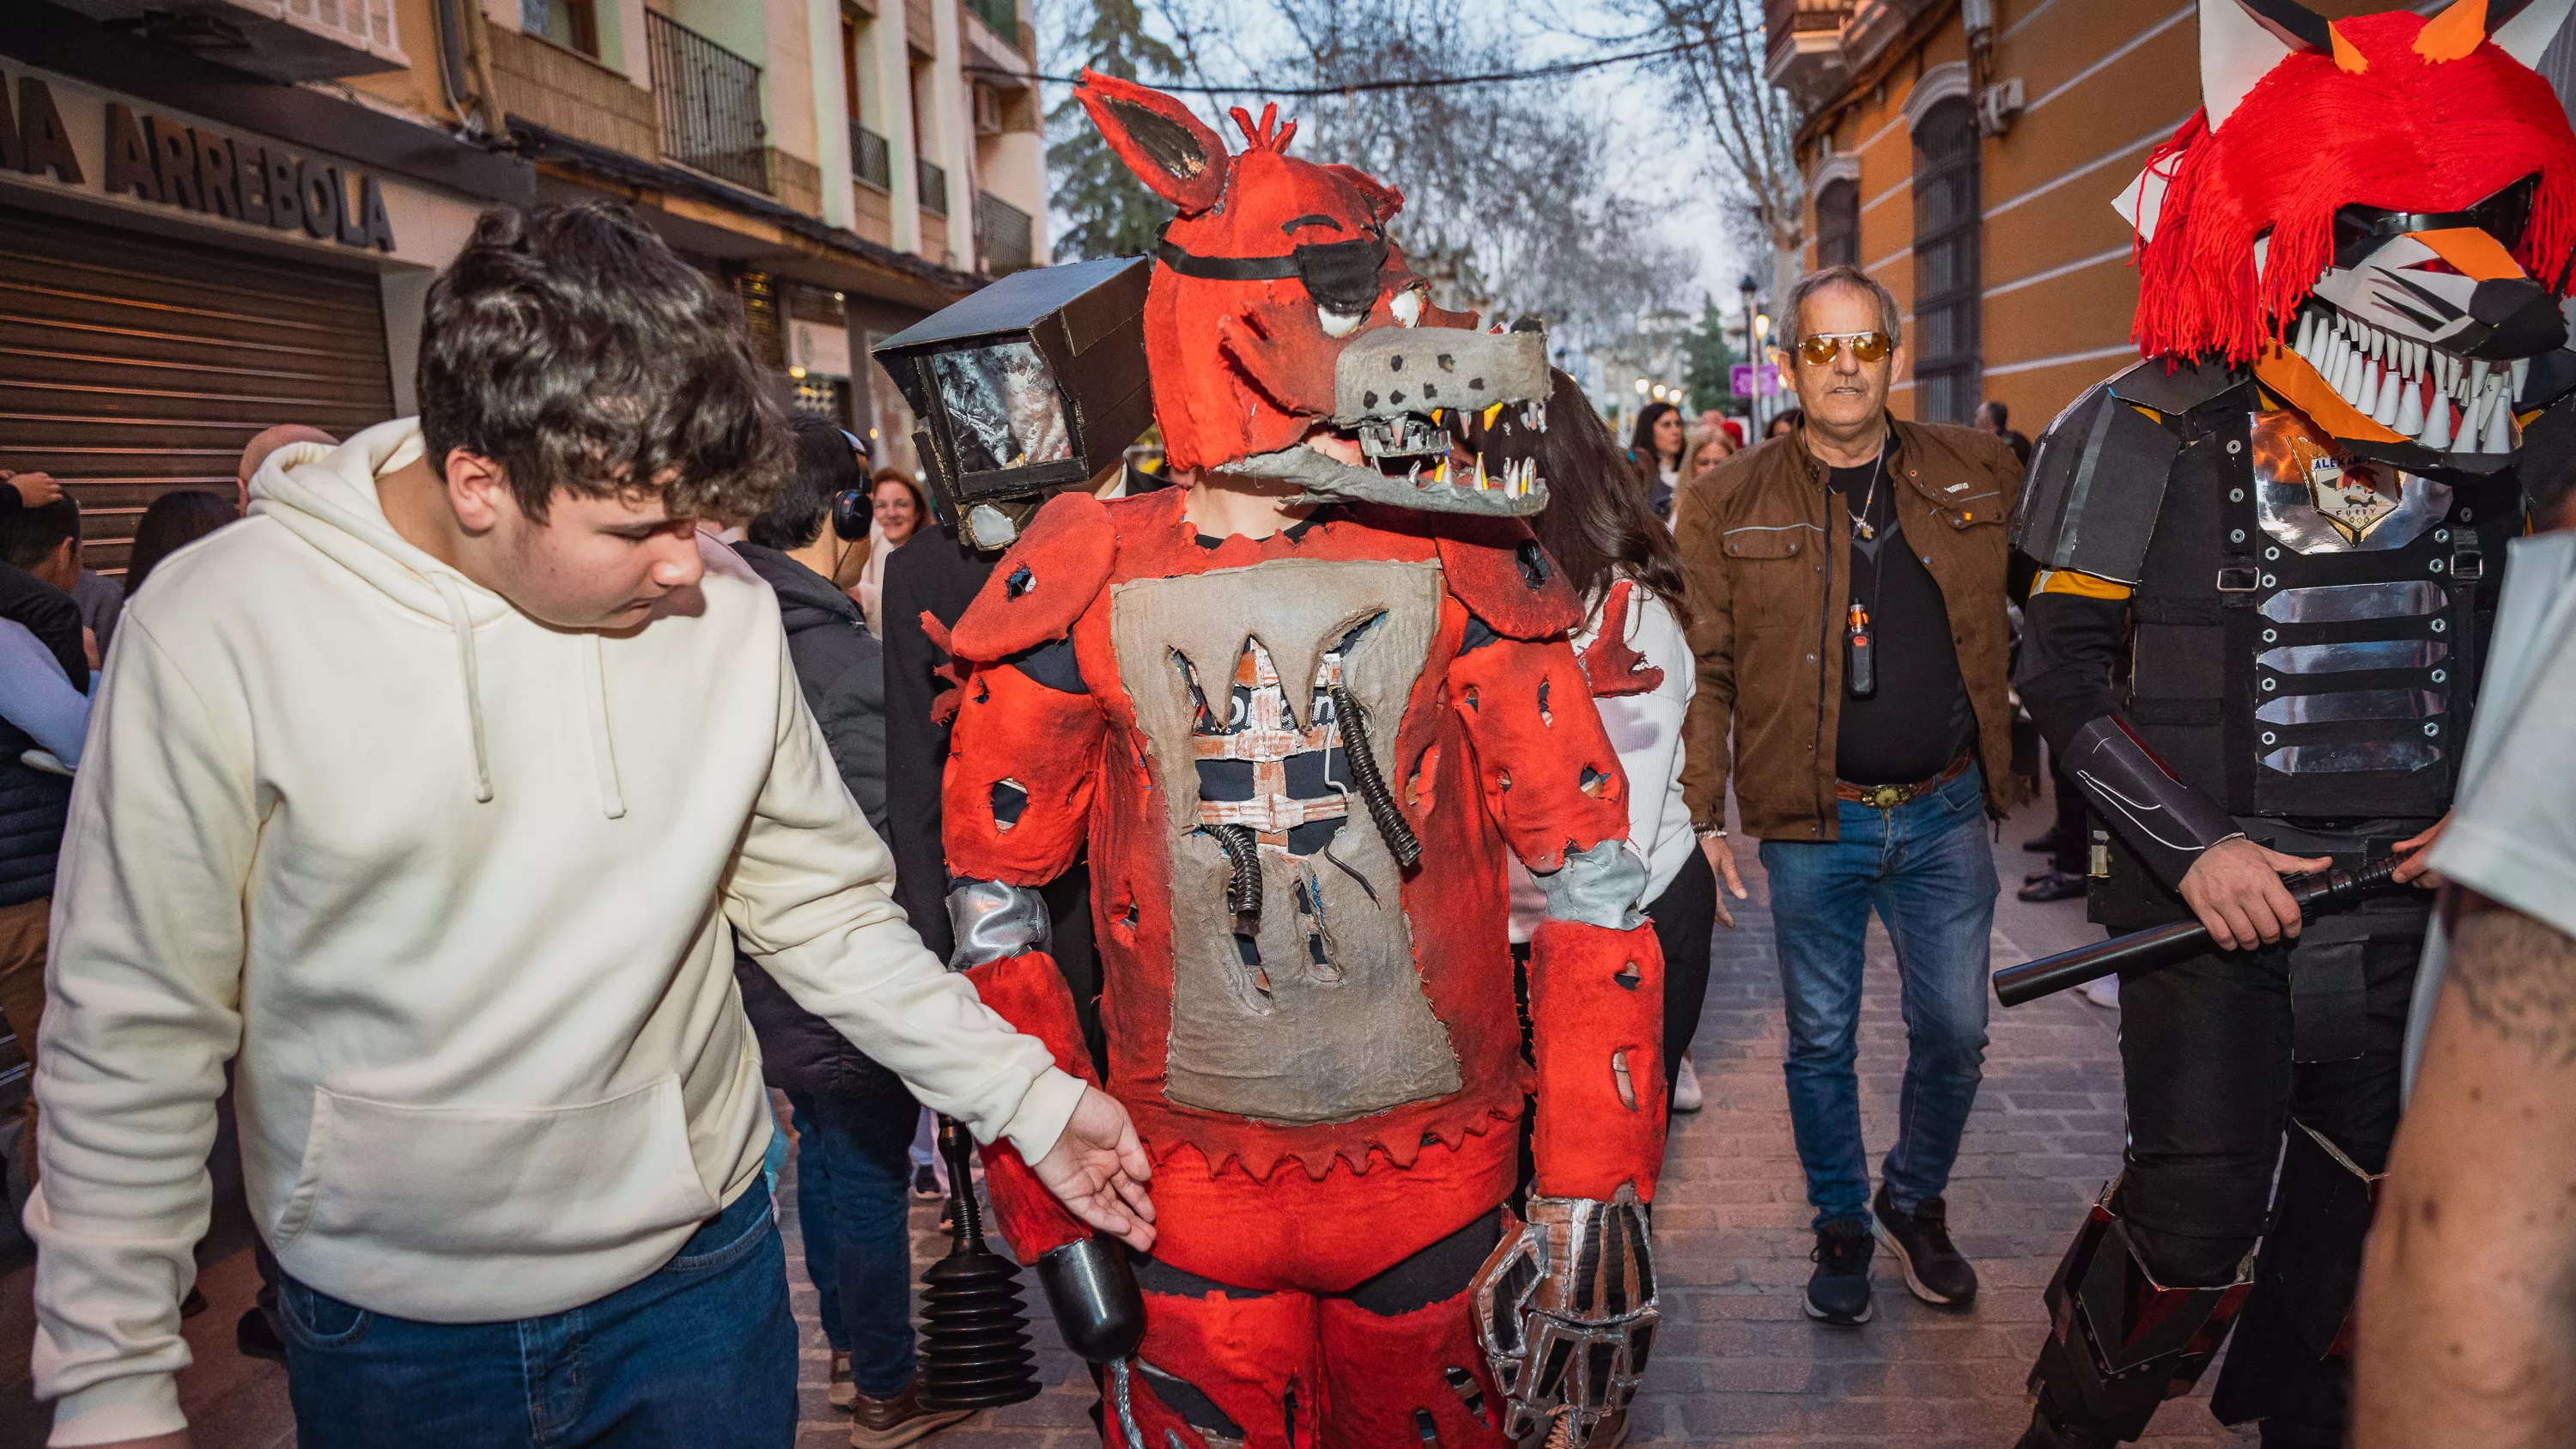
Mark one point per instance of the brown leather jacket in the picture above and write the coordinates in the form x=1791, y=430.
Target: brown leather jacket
x=1769, y=558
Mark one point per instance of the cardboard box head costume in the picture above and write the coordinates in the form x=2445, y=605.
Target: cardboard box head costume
x=1295, y=763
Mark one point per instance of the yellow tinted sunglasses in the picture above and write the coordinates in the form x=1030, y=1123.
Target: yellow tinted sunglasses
x=1820, y=348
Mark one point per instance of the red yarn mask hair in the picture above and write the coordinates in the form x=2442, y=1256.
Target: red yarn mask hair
x=2403, y=133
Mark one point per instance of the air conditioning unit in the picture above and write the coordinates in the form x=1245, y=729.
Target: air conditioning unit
x=1998, y=106
x=988, y=111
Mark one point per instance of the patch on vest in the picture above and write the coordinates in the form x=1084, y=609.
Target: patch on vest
x=2314, y=498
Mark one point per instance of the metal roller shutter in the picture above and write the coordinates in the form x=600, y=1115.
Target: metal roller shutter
x=132, y=366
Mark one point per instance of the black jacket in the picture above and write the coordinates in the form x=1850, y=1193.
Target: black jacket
x=33, y=804
x=842, y=673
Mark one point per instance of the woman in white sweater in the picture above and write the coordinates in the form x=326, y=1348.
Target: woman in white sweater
x=1620, y=557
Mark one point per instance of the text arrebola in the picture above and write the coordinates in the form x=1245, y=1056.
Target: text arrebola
x=195, y=169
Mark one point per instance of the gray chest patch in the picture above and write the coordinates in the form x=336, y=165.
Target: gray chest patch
x=1311, y=1010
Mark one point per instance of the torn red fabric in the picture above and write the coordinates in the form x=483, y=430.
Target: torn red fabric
x=1596, y=1009
x=2404, y=133
x=1029, y=993
x=1613, y=667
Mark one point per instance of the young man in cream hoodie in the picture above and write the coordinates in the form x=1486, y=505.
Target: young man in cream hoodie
x=433, y=796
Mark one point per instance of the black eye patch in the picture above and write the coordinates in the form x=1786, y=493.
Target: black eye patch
x=1340, y=276
x=2360, y=229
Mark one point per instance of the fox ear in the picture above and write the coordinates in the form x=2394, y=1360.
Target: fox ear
x=2240, y=42
x=2528, y=34
x=1172, y=151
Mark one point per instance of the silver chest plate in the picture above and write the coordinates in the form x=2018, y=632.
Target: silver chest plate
x=2312, y=498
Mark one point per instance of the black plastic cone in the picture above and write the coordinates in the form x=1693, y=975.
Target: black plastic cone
x=975, y=1330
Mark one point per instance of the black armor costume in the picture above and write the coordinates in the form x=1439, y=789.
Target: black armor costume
x=2302, y=645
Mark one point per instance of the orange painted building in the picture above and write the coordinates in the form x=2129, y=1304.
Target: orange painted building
x=1966, y=152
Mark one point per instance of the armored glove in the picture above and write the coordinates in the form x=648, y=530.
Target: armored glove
x=1565, y=1312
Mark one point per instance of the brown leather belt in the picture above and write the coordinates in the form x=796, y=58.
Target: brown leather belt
x=1888, y=797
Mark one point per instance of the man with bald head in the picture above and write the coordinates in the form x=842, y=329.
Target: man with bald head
x=265, y=442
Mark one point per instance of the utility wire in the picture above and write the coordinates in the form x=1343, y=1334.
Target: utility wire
x=1410, y=83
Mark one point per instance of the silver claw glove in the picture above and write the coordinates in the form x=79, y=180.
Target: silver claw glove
x=1565, y=1312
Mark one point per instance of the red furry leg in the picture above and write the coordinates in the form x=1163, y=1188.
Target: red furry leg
x=1224, y=1370
x=1382, y=1375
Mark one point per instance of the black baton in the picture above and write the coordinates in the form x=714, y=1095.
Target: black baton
x=2317, y=895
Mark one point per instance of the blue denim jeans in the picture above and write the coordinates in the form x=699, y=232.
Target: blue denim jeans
x=700, y=1355
x=853, y=1162
x=1926, y=869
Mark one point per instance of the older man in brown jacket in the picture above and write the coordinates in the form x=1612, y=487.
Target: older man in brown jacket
x=1850, y=628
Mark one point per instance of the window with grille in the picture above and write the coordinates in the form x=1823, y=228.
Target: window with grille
x=1946, y=276
x=1838, y=224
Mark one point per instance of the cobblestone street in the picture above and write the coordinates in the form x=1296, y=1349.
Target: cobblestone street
x=1739, y=1362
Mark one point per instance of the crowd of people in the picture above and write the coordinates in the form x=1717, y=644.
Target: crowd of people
x=515, y=704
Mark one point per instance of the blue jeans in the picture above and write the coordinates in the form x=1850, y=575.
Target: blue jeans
x=1925, y=867
x=701, y=1353
x=853, y=1165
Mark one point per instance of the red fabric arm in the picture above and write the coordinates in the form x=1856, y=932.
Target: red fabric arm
x=1030, y=994
x=1597, y=1005
x=1018, y=744
x=1549, y=773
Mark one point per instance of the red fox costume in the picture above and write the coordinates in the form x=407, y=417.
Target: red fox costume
x=1296, y=762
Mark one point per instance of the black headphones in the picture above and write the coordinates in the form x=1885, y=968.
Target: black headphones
x=853, y=508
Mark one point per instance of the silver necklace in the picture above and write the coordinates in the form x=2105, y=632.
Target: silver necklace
x=1860, y=521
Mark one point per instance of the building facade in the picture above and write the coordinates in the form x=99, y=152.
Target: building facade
x=1966, y=153
x=218, y=215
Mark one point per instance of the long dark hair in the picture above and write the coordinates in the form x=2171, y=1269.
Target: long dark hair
x=1641, y=439
x=174, y=521
x=1596, y=524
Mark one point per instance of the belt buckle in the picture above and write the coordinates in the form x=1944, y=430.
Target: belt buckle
x=2239, y=579
x=1886, y=797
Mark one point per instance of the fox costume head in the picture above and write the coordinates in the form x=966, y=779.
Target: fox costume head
x=2379, y=213
x=1289, y=339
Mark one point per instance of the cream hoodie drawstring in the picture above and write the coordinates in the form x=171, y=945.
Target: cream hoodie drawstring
x=463, y=623
x=603, y=751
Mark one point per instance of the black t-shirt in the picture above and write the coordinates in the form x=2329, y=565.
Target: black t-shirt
x=1920, y=718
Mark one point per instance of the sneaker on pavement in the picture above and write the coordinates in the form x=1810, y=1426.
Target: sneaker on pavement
x=1686, y=1097
x=2104, y=992
x=1933, y=1269
x=925, y=1182
x=2054, y=885
x=1838, y=1291
x=895, y=1422
x=842, y=1392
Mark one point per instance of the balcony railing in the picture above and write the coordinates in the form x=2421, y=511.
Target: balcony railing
x=871, y=159
x=1002, y=235
x=710, y=102
x=932, y=178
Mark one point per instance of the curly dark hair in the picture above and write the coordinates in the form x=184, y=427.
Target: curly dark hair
x=1596, y=524
x=570, y=345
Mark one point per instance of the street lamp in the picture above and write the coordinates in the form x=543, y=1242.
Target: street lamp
x=1752, y=405
x=1761, y=355
x=1642, y=385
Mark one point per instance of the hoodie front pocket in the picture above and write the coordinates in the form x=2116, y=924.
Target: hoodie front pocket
x=465, y=1181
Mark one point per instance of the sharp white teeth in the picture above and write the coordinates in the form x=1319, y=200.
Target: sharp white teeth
x=1413, y=475
x=2378, y=342
x=2344, y=362
x=2499, y=434
x=2477, y=377
x=2473, y=417
x=2362, y=383
x=2436, y=434
x=2410, y=408
x=2521, y=375
x=2307, y=333
x=2384, y=411
x=2423, y=355
x=1481, y=484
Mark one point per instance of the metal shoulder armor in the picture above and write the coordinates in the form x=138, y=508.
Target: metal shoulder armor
x=2097, y=475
